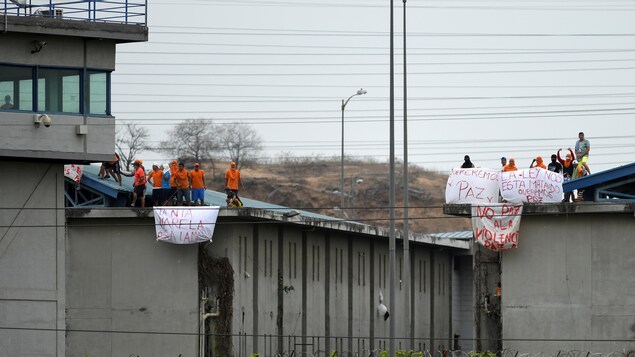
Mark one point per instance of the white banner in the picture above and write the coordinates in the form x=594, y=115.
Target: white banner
x=73, y=172
x=185, y=225
x=531, y=185
x=496, y=227
x=472, y=186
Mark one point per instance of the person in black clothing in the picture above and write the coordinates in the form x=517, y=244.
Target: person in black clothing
x=554, y=165
x=467, y=164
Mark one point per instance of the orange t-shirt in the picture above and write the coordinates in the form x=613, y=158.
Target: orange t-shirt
x=197, y=178
x=232, y=179
x=173, y=169
x=181, y=179
x=509, y=167
x=139, y=176
x=157, y=177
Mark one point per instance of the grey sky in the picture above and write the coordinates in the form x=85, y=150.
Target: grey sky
x=551, y=68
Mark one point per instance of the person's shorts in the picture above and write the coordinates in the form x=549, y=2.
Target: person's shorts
x=171, y=193
x=113, y=166
x=183, y=193
x=140, y=190
x=164, y=194
x=198, y=194
x=157, y=194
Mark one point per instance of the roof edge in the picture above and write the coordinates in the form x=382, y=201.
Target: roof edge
x=258, y=214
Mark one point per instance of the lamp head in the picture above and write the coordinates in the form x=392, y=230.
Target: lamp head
x=361, y=91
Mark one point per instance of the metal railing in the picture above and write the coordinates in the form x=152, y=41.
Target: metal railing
x=109, y=11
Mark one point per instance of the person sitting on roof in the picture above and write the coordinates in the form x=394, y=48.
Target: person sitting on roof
x=111, y=168
x=232, y=200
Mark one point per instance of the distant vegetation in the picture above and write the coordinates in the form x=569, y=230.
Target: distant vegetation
x=313, y=184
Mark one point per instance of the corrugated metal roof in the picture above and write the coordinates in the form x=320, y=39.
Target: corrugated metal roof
x=599, y=178
x=465, y=235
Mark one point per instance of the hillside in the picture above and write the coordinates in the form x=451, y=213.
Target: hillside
x=313, y=185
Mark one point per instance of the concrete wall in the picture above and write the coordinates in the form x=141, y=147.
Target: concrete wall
x=139, y=296
x=58, y=142
x=60, y=51
x=336, y=279
x=571, y=279
x=32, y=258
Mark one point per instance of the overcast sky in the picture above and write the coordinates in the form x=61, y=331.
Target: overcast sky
x=486, y=78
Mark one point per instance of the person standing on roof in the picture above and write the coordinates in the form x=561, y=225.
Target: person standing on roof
x=156, y=179
x=582, y=148
x=165, y=185
x=232, y=179
x=568, y=168
x=554, y=165
x=174, y=166
x=139, y=184
x=183, y=184
x=198, y=185
x=503, y=162
x=467, y=163
x=538, y=163
x=511, y=166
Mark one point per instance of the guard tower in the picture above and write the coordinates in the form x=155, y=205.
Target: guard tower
x=56, y=61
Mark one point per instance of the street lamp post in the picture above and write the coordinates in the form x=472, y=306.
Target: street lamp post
x=344, y=102
x=406, y=223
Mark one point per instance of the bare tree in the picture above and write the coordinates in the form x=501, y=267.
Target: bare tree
x=130, y=139
x=240, y=142
x=193, y=140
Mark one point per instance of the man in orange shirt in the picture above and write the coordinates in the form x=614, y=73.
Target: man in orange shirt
x=155, y=178
x=182, y=181
x=198, y=185
x=511, y=166
x=139, y=185
x=232, y=179
x=174, y=166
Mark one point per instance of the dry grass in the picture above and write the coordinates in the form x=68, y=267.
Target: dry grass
x=314, y=186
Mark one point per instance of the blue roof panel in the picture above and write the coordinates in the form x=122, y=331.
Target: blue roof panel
x=599, y=178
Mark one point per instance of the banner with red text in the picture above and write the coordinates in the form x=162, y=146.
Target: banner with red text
x=73, y=172
x=531, y=185
x=185, y=225
x=472, y=186
x=496, y=227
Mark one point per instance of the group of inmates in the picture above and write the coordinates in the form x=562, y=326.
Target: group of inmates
x=172, y=184
x=574, y=165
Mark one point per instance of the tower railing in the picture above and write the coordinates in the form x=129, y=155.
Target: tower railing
x=109, y=11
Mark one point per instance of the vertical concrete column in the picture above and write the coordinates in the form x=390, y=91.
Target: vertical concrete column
x=304, y=292
x=327, y=291
x=280, y=317
x=487, y=312
x=256, y=279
